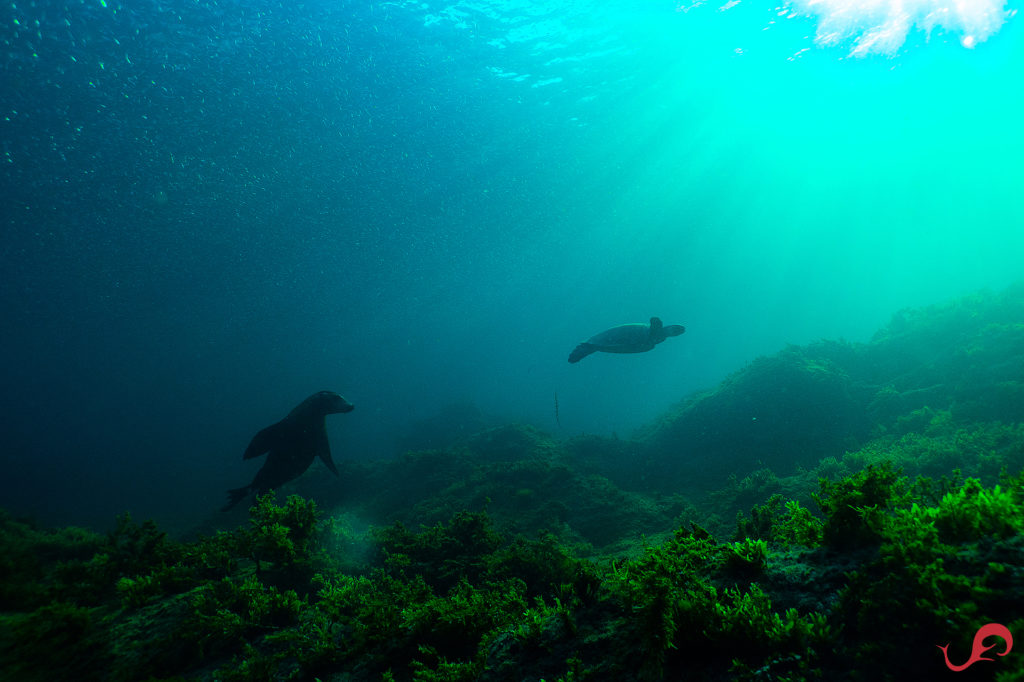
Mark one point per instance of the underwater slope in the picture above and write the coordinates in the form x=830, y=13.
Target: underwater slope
x=805, y=403
x=293, y=596
x=844, y=568
x=798, y=413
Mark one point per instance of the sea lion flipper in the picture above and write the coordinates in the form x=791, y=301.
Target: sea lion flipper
x=323, y=449
x=267, y=439
x=235, y=496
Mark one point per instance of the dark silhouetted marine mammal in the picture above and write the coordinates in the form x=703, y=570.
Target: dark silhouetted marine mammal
x=627, y=338
x=291, y=444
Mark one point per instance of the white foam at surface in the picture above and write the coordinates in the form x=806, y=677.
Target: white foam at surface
x=882, y=26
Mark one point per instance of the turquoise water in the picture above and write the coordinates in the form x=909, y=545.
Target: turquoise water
x=214, y=209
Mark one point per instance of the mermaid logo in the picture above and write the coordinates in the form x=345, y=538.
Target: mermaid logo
x=979, y=647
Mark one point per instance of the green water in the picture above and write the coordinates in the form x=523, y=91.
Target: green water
x=418, y=205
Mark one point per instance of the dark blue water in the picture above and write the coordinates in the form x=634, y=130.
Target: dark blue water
x=212, y=210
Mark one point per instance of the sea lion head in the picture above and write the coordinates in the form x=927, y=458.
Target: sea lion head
x=319, y=405
x=326, y=402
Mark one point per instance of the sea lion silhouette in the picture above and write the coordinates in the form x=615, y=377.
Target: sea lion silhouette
x=291, y=444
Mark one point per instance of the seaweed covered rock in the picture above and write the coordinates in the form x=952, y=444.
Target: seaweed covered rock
x=512, y=443
x=857, y=497
x=448, y=428
x=32, y=560
x=781, y=411
x=966, y=356
x=135, y=603
x=940, y=573
x=964, y=359
x=527, y=482
x=940, y=386
x=892, y=568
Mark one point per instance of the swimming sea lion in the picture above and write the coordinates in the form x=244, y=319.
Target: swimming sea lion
x=291, y=444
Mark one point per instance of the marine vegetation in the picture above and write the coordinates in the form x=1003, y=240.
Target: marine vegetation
x=891, y=528
x=866, y=587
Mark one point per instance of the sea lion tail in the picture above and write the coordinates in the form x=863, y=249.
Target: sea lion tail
x=235, y=496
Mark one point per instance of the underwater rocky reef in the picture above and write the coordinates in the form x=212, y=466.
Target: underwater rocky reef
x=833, y=511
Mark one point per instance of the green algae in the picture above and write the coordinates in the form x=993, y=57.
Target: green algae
x=841, y=542
x=462, y=600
